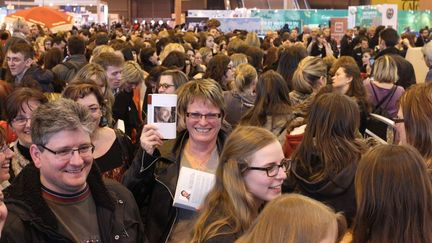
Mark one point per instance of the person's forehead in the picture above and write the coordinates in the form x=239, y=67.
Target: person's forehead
x=166, y=78
x=59, y=138
x=114, y=68
x=15, y=54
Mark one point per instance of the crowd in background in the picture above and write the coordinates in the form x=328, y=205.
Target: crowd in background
x=280, y=121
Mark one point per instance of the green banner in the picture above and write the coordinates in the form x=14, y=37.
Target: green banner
x=414, y=19
x=276, y=19
x=367, y=16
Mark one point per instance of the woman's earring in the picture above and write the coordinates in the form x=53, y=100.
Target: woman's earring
x=103, y=120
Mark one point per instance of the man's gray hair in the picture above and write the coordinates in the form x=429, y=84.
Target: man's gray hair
x=427, y=52
x=18, y=24
x=59, y=115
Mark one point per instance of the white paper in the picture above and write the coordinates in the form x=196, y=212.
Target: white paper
x=162, y=111
x=192, y=188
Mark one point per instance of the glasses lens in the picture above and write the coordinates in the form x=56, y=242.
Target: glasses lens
x=86, y=150
x=272, y=170
x=3, y=148
x=65, y=154
x=20, y=121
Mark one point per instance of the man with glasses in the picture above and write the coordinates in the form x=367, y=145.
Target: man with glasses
x=62, y=198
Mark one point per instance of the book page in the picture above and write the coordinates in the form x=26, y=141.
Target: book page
x=192, y=188
x=162, y=111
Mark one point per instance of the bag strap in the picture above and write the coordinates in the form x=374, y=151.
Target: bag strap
x=380, y=102
x=393, y=91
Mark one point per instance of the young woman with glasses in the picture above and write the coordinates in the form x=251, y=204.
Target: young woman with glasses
x=325, y=162
x=250, y=173
x=113, y=151
x=20, y=105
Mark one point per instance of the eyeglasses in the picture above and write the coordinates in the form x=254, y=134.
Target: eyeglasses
x=20, y=120
x=198, y=116
x=67, y=153
x=273, y=170
x=3, y=148
x=398, y=120
x=166, y=86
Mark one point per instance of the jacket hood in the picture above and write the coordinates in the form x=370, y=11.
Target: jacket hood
x=332, y=186
x=246, y=99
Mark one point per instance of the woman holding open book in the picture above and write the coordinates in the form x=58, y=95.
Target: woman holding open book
x=156, y=170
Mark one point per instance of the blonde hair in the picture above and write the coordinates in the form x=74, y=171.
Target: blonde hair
x=245, y=76
x=308, y=72
x=101, y=49
x=163, y=34
x=238, y=58
x=204, y=51
x=132, y=73
x=230, y=203
x=299, y=219
x=385, y=70
x=206, y=89
x=252, y=39
x=170, y=48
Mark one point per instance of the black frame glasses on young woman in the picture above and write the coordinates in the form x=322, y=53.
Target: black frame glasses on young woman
x=273, y=169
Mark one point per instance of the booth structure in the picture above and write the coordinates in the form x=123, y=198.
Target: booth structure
x=79, y=9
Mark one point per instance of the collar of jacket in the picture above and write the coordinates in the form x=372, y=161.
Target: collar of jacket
x=26, y=189
x=77, y=57
x=388, y=51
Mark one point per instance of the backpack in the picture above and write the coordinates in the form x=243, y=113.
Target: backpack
x=381, y=109
x=73, y=68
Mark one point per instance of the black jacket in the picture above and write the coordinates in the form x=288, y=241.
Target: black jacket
x=67, y=70
x=346, y=47
x=405, y=69
x=31, y=220
x=337, y=192
x=153, y=180
x=125, y=109
x=36, y=76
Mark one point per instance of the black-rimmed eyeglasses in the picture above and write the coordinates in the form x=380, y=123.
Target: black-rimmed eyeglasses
x=273, y=170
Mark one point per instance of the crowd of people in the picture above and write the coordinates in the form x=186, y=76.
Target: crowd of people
x=279, y=122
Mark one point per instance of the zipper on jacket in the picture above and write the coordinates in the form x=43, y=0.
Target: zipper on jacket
x=176, y=210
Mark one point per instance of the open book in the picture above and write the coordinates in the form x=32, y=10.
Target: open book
x=192, y=188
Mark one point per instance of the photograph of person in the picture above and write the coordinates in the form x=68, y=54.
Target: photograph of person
x=185, y=194
x=164, y=114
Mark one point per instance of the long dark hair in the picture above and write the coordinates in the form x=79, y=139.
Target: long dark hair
x=288, y=62
x=271, y=99
x=329, y=144
x=394, y=196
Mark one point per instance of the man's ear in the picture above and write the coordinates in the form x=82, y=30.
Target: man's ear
x=36, y=155
x=28, y=62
